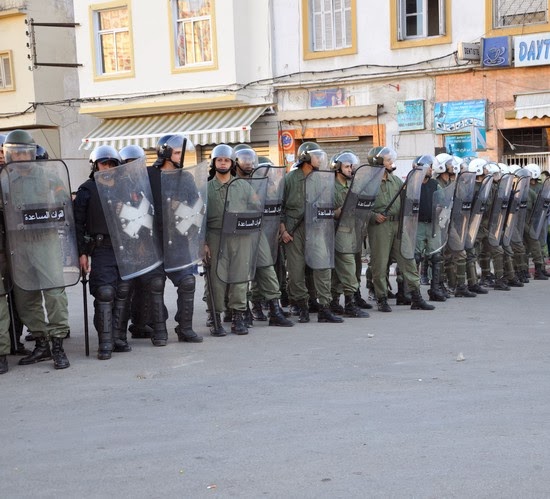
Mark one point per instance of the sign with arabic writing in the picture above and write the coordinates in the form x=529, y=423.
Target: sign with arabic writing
x=496, y=52
x=43, y=215
x=459, y=116
x=410, y=115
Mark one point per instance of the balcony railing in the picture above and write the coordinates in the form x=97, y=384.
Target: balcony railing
x=540, y=158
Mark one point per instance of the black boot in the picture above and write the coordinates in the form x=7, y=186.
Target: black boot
x=258, y=312
x=238, y=325
x=436, y=292
x=424, y=279
x=360, y=302
x=477, y=289
x=139, y=331
x=103, y=321
x=335, y=306
x=60, y=360
x=228, y=316
x=41, y=352
x=351, y=309
x=462, y=291
x=523, y=276
x=121, y=316
x=383, y=305
x=325, y=315
x=185, y=305
x=248, y=317
x=313, y=306
x=501, y=285
x=216, y=328
x=539, y=274
x=303, y=312
x=418, y=302
x=403, y=296
x=159, y=313
x=514, y=282
x=276, y=315
x=3, y=364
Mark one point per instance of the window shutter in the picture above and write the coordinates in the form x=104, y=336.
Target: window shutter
x=400, y=9
x=442, y=18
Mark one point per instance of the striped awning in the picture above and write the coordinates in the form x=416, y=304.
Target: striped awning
x=206, y=127
x=532, y=105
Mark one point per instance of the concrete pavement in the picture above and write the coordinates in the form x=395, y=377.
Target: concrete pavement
x=380, y=407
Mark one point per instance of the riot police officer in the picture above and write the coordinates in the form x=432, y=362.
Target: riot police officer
x=42, y=258
x=111, y=293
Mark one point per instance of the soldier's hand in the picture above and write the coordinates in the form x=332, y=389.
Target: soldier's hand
x=286, y=237
x=380, y=219
x=84, y=264
x=207, y=254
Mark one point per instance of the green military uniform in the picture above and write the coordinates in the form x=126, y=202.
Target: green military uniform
x=217, y=193
x=532, y=246
x=292, y=217
x=384, y=244
x=344, y=263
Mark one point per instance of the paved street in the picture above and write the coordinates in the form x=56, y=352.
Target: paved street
x=373, y=408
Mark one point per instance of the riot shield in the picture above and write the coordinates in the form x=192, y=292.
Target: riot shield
x=499, y=208
x=410, y=206
x=522, y=185
x=460, y=214
x=442, y=204
x=39, y=224
x=127, y=203
x=183, y=193
x=478, y=210
x=319, y=219
x=540, y=211
x=357, y=208
x=241, y=229
x=269, y=241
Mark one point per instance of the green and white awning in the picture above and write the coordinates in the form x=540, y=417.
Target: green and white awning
x=225, y=126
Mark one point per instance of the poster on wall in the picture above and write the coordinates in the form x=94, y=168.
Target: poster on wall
x=459, y=116
x=329, y=97
x=460, y=145
x=410, y=115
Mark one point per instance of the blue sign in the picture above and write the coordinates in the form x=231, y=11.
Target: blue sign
x=459, y=145
x=459, y=116
x=496, y=52
x=410, y=115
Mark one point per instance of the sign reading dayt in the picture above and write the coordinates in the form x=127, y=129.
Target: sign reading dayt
x=532, y=50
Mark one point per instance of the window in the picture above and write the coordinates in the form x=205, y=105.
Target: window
x=516, y=17
x=193, y=33
x=112, y=41
x=519, y=13
x=329, y=28
x=421, y=18
x=6, y=78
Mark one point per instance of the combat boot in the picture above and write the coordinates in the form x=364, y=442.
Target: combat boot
x=360, y=302
x=216, y=328
x=228, y=316
x=436, y=292
x=418, y=302
x=313, y=306
x=325, y=315
x=477, y=289
x=140, y=332
x=121, y=315
x=276, y=315
x=41, y=352
x=258, y=312
x=303, y=311
x=383, y=305
x=403, y=296
x=462, y=291
x=160, y=335
x=514, y=282
x=523, y=276
x=247, y=316
x=539, y=274
x=238, y=325
x=424, y=279
x=500, y=285
x=60, y=360
x=335, y=306
x=3, y=364
x=351, y=309
x=184, y=315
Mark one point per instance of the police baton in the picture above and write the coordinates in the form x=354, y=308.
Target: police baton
x=84, y=281
x=210, y=295
x=13, y=332
x=183, y=147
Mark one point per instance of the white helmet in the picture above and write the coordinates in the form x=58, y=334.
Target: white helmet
x=513, y=169
x=443, y=160
x=459, y=164
x=476, y=166
x=504, y=168
x=534, y=169
x=492, y=168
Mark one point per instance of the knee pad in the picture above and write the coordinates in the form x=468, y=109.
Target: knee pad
x=156, y=285
x=105, y=294
x=187, y=284
x=123, y=289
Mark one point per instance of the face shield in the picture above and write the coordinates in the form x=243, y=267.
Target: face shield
x=19, y=152
x=319, y=159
